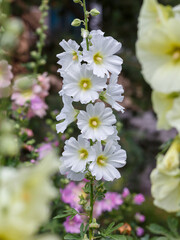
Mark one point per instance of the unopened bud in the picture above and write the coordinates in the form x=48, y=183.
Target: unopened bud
x=76, y=1
x=76, y=22
x=84, y=33
x=94, y=12
x=94, y=224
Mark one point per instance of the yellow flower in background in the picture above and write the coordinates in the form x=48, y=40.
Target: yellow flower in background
x=167, y=108
x=165, y=179
x=165, y=190
x=170, y=162
x=25, y=195
x=152, y=15
x=173, y=116
x=158, y=51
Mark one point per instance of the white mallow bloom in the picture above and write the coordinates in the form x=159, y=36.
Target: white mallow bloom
x=77, y=153
x=82, y=84
x=67, y=115
x=25, y=196
x=114, y=137
x=74, y=176
x=100, y=56
x=107, y=161
x=71, y=56
x=113, y=93
x=96, y=123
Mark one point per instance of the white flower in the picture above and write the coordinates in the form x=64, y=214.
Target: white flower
x=25, y=195
x=77, y=153
x=82, y=84
x=71, y=56
x=67, y=114
x=114, y=137
x=5, y=74
x=74, y=176
x=107, y=161
x=113, y=93
x=96, y=122
x=100, y=56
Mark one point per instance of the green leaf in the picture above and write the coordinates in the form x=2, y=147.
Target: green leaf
x=157, y=229
x=108, y=230
x=61, y=216
x=82, y=230
x=117, y=237
x=116, y=227
x=69, y=212
x=72, y=236
x=173, y=226
x=160, y=238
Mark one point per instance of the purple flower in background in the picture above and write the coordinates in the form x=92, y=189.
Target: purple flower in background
x=44, y=149
x=97, y=210
x=70, y=194
x=139, y=217
x=111, y=201
x=38, y=107
x=125, y=192
x=73, y=226
x=139, y=199
x=139, y=231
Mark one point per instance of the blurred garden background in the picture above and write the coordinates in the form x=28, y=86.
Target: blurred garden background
x=137, y=126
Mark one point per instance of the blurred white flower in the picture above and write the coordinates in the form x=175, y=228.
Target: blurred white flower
x=96, y=123
x=25, y=195
x=5, y=74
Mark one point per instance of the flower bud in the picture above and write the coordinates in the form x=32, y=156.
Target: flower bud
x=94, y=12
x=76, y=22
x=76, y=1
x=94, y=224
x=84, y=33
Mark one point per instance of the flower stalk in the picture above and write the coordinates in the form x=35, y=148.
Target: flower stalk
x=91, y=211
x=86, y=22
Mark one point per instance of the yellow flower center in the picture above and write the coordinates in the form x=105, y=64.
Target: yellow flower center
x=94, y=122
x=98, y=58
x=27, y=94
x=83, y=153
x=176, y=54
x=101, y=160
x=85, y=84
x=75, y=56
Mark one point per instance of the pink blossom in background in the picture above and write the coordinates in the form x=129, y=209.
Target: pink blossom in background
x=44, y=82
x=139, y=231
x=44, y=149
x=139, y=217
x=5, y=74
x=28, y=131
x=139, y=199
x=97, y=210
x=31, y=93
x=125, y=192
x=73, y=226
x=37, y=107
x=70, y=194
x=111, y=201
x=33, y=161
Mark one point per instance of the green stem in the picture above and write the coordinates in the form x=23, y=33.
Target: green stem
x=86, y=22
x=91, y=212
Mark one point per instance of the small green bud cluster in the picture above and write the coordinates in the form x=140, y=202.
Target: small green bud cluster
x=39, y=60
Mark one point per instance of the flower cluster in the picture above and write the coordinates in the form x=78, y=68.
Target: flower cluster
x=165, y=179
x=25, y=195
x=30, y=92
x=89, y=75
x=112, y=201
x=158, y=50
